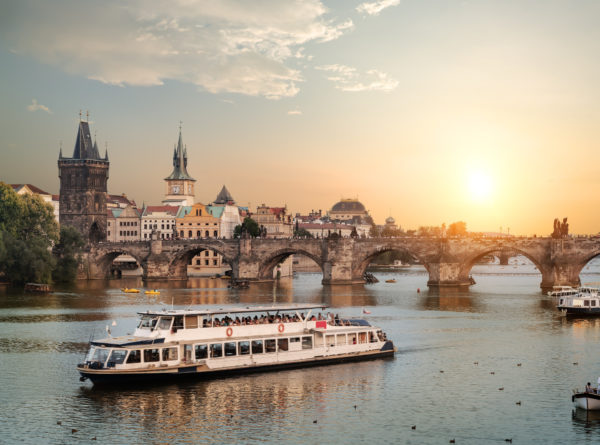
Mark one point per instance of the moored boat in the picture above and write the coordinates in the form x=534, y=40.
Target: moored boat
x=391, y=280
x=175, y=344
x=585, y=303
x=152, y=292
x=562, y=291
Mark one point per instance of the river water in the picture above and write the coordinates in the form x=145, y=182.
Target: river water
x=477, y=338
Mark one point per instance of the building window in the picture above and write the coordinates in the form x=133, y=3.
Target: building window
x=162, y=226
x=181, y=234
x=207, y=234
x=198, y=234
x=206, y=253
x=108, y=233
x=206, y=262
x=214, y=262
x=197, y=262
x=215, y=253
x=145, y=226
x=215, y=234
x=145, y=235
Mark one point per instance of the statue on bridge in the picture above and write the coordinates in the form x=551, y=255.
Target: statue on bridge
x=561, y=230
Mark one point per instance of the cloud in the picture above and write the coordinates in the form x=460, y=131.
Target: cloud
x=231, y=46
x=348, y=79
x=374, y=8
x=36, y=107
x=294, y=112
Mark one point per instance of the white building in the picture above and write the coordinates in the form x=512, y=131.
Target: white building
x=159, y=218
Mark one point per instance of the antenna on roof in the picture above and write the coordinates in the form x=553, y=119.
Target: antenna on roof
x=80, y=115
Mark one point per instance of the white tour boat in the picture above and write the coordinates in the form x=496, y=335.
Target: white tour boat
x=210, y=343
x=585, y=302
x=562, y=291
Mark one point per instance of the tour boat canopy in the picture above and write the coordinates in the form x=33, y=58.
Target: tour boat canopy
x=236, y=310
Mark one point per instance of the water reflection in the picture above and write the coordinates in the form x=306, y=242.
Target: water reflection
x=451, y=299
x=586, y=420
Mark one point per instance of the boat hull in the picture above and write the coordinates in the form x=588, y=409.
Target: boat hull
x=587, y=401
x=186, y=372
x=580, y=312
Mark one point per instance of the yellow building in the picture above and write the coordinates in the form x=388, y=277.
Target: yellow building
x=198, y=222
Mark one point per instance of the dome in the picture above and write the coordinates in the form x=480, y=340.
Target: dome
x=348, y=205
x=390, y=220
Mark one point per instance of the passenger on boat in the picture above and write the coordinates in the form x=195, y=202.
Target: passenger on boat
x=588, y=388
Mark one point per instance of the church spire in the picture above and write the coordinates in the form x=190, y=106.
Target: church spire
x=180, y=161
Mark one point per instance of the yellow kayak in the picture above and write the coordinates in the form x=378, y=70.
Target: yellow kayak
x=130, y=291
x=390, y=281
x=152, y=292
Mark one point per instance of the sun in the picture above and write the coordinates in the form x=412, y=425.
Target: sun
x=480, y=186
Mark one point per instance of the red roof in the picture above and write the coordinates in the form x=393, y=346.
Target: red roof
x=33, y=188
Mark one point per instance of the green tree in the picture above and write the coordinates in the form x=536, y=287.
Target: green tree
x=27, y=232
x=249, y=225
x=67, y=253
x=303, y=233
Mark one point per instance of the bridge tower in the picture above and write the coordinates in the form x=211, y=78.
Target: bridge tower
x=83, y=181
x=180, y=185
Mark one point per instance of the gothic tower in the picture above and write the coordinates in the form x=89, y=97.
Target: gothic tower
x=83, y=179
x=180, y=185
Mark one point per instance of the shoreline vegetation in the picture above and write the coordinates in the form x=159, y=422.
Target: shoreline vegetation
x=32, y=247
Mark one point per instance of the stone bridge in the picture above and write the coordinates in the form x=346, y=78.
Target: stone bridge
x=448, y=261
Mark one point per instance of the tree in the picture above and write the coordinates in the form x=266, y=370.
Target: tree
x=249, y=226
x=27, y=232
x=458, y=228
x=303, y=233
x=67, y=253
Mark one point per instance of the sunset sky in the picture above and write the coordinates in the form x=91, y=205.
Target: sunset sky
x=432, y=111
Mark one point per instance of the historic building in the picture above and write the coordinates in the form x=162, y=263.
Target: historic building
x=180, y=185
x=158, y=219
x=83, y=181
x=30, y=189
x=352, y=212
x=274, y=221
x=225, y=209
x=123, y=224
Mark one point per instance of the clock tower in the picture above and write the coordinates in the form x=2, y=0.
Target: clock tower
x=180, y=185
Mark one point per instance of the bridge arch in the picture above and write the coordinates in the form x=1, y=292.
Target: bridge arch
x=265, y=270
x=359, y=268
x=181, y=259
x=470, y=261
x=104, y=259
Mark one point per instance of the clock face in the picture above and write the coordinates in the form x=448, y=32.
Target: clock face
x=175, y=189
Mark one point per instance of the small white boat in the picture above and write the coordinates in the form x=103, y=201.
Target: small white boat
x=586, y=400
x=562, y=291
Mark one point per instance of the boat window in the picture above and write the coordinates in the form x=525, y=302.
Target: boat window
x=351, y=339
x=151, y=355
x=362, y=337
x=341, y=339
x=191, y=321
x=117, y=356
x=178, y=322
x=282, y=344
x=216, y=350
x=561, y=301
x=372, y=337
x=306, y=342
x=100, y=355
x=169, y=354
x=586, y=302
x=165, y=322
x=270, y=345
x=135, y=356
x=295, y=340
x=244, y=347
x=230, y=349
x=257, y=346
x=593, y=302
x=330, y=340
x=201, y=351
x=148, y=322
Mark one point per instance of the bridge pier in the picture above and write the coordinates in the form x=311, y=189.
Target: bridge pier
x=446, y=275
x=561, y=275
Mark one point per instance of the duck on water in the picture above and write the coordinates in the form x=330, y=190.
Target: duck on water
x=213, y=343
